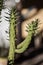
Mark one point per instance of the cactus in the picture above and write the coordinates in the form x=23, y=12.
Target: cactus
x=11, y=38
x=31, y=28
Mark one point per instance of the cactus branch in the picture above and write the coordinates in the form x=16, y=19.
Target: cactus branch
x=24, y=45
x=31, y=30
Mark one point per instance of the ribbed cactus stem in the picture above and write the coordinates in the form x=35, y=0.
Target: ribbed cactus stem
x=25, y=44
x=31, y=30
x=12, y=39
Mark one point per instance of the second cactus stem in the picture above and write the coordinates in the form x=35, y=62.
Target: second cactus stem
x=31, y=28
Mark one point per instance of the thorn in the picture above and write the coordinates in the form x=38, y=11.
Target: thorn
x=27, y=27
x=6, y=17
x=27, y=31
x=7, y=13
x=6, y=31
x=7, y=20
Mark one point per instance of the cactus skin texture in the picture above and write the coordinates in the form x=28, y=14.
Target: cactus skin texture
x=12, y=38
x=31, y=28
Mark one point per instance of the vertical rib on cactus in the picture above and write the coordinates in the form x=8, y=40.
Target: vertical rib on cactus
x=12, y=38
x=31, y=30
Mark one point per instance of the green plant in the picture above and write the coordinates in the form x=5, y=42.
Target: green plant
x=23, y=45
x=11, y=34
x=12, y=37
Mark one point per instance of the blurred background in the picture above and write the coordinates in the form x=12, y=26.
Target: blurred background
x=29, y=10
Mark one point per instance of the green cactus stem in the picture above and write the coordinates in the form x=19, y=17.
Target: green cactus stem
x=24, y=44
x=31, y=30
x=12, y=38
